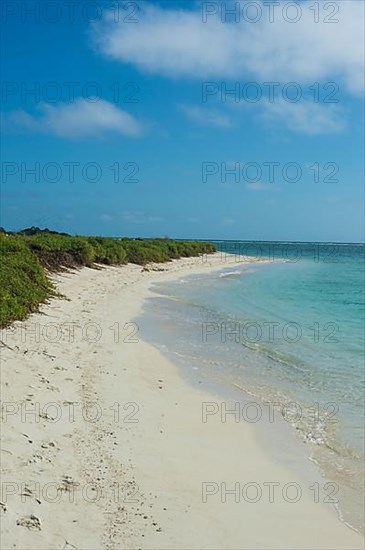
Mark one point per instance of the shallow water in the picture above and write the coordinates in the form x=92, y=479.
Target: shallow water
x=289, y=331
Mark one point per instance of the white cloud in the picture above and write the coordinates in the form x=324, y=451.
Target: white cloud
x=206, y=116
x=78, y=120
x=306, y=117
x=176, y=43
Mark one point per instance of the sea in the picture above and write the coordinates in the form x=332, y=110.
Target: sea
x=286, y=327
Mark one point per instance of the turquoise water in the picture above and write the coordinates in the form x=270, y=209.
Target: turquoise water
x=289, y=330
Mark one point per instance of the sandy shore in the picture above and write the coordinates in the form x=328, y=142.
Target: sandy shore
x=103, y=444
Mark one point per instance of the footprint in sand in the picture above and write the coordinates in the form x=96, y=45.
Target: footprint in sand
x=29, y=493
x=46, y=453
x=30, y=522
x=43, y=379
x=60, y=368
x=37, y=458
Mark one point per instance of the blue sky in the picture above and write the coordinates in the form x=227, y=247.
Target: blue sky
x=296, y=156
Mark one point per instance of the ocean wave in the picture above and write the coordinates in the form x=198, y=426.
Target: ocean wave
x=230, y=273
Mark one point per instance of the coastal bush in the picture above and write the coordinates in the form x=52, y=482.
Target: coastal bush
x=26, y=255
x=56, y=251
x=163, y=250
x=108, y=251
x=143, y=252
x=23, y=282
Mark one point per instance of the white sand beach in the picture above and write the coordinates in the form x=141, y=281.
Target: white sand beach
x=103, y=444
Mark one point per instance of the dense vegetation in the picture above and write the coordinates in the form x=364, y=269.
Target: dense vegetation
x=27, y=255
x=23, y=282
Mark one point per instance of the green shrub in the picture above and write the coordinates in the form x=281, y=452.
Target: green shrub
x=23, y=282
x=24, y=257
x=56, y=251
x=108, y=251
x=163, y=250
